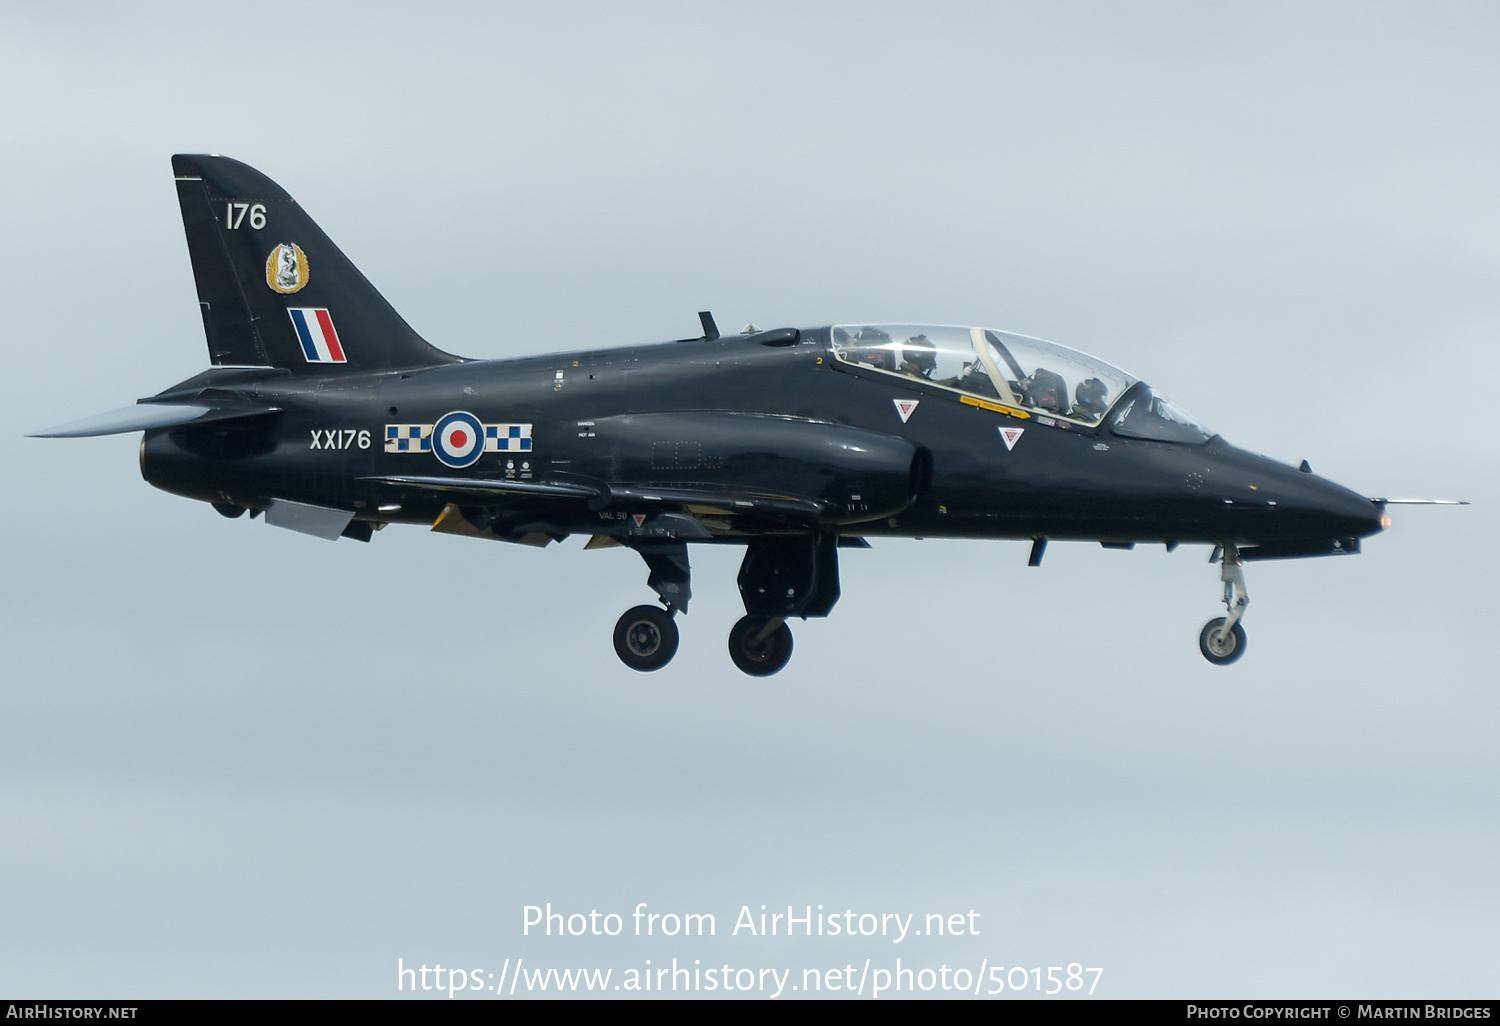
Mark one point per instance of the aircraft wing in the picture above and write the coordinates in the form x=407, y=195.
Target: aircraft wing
x=725, y=502
x=486, y=490
x=598, y=496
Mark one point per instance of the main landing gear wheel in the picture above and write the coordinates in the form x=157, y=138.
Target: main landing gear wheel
x=1219, y=646
x=760, y=645
x=646, y=638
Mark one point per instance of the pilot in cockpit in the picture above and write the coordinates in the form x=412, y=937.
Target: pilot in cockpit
x=918, y=357
x=974, y=378
x=1090, y=399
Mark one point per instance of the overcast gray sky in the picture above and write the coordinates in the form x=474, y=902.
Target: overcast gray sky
x=233, y=762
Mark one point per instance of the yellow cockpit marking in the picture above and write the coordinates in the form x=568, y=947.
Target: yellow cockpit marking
x=985, y=404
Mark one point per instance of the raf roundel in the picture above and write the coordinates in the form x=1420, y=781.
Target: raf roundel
x=458, y=439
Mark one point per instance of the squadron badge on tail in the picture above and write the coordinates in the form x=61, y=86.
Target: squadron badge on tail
x=286, y=268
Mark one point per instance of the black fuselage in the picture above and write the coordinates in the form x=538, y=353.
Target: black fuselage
x=737, y=416
x=329, y=414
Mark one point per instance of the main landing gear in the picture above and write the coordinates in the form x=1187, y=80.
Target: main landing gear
x=1222, y=639
x=781, y=577
x=760, y=645
x=646, y=638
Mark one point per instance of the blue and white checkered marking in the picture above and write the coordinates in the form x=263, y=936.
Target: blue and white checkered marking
x=507, y=438
x=497, y=438
x=408, y=438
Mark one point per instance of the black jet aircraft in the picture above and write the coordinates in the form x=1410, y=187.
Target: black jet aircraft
x=327, y=413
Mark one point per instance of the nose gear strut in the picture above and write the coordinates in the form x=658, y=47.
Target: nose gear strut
x=1222, y=639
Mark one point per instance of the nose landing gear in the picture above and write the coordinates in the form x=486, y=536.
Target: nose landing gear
x=1222, y=639
x=1219, y=645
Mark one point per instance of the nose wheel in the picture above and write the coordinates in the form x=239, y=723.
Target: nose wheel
x=1222, y=639
x=1219, y=645
x=760, y=645
x=646, y=638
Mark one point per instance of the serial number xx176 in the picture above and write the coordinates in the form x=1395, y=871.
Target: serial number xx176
x=347, y=438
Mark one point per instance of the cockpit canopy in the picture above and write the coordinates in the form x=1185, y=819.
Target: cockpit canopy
x=1016, y=371
x=1027, y=374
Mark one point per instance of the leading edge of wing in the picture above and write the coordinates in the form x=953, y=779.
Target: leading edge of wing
x=486, y=489
x=601, y=495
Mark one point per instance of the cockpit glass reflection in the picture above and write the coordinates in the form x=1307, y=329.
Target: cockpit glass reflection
x=1152, y=417
x=1016, y=371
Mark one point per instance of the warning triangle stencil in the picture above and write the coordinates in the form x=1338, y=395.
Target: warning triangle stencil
x=904, y=407
x=1010, y=436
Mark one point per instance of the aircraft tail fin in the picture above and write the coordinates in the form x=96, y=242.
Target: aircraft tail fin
x=273, y=289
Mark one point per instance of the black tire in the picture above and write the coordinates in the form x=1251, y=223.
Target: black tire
x=765, y=658
x=228, y=509
x=646, y=638
x=1221, y=651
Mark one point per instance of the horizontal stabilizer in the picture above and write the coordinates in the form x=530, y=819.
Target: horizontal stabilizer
x=144, y=416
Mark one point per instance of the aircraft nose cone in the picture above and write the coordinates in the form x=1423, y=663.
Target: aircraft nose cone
x=1335, y=511
x=1361, y=515
x=1287, y=503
